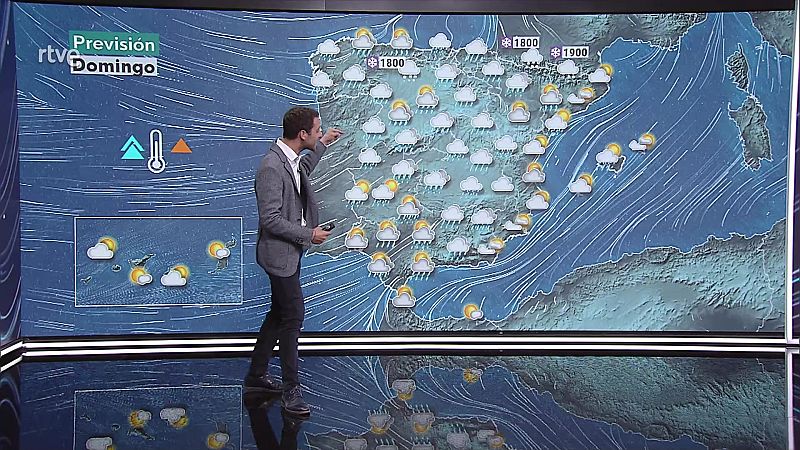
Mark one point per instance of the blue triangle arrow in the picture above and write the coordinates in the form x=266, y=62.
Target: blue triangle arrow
x=133, y=149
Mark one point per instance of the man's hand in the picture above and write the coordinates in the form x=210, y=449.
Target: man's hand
x=318, y=235
x=331, y=136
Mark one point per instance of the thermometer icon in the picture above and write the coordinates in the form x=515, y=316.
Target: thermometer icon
x=156, y=162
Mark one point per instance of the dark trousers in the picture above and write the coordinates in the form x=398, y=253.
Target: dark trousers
x=263, y=432
x=283, y=322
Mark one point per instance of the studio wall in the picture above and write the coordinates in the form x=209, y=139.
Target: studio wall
x=10, y=266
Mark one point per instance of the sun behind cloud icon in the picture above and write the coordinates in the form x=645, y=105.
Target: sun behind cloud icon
x=139, y=276
x=175, y=417
x=217, y=250
x=176, y=277
x=103, y=250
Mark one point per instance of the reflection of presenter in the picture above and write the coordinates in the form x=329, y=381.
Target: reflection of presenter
x=287, y=224
x=258, y=410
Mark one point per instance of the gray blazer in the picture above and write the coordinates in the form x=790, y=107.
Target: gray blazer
x=281, y=237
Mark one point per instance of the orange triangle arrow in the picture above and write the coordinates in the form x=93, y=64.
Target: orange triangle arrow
x=181, y=147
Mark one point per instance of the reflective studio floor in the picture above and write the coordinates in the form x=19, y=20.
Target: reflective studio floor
x=408, y=402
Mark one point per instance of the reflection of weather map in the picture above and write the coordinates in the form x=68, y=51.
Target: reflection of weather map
x=158, y=418
x=636, y=183
x=541, y=181
x=514, y=402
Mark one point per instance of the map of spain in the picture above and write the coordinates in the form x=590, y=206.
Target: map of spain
x=455, y=152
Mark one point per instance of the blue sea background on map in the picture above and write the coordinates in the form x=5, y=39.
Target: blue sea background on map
x=225, y=79
x=172, y=242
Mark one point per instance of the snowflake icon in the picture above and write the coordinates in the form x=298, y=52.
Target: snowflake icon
x=506, y=42
x=372, y=62
x=555, y=52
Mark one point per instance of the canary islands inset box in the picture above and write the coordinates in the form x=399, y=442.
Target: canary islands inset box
x=158, y=418
x=158, y=261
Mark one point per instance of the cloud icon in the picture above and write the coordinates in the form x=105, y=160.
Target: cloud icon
x=173, y=278
x=531, y=56
x=400, y=114
x=537, y=203
x=428, y=99
x=382, y=192
x=556, y=123
x=481, y=158
x=388, y=234
x=321, y=80
x=599, y=76
x=354, y=73
x=482, y=120
x=144, y=279
x=580, y=186
x=503, y=184
x=483, y=217
x=422, y=266
x=476, y=47
x=436, y=179
x=466, y=95
x=485, y=250
x=408, y=209
x=452, y=213
x=363, y=42
x=533, y=176
x=403, y=300
x=172, y=415
x=380, y=91
x=496, y=244
x=222, y=253
x=410, y=68
x=328, y=47
x=493, y=68
x=423, y=234
x=457, y=147
x=447, y=72
x=471, y=184
x=533, y=147
x=606, y=157
x=475, y=315
x=518, y=81
x=505, y=143
x=356, y=242
x=636, y=146
x=99, y=251
x=551, y=98
x=373, y=125
x=522, y=221
x=567, y=67
x=439, y=41
x=402, y=42
x=379, y=266
x=575, y=100
x=442, y=120
x=407, y=137
x=519, y=115
x=458, y=245
x=511, y=226
x=404, y=167
x=99, y=443
x=355, y=194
